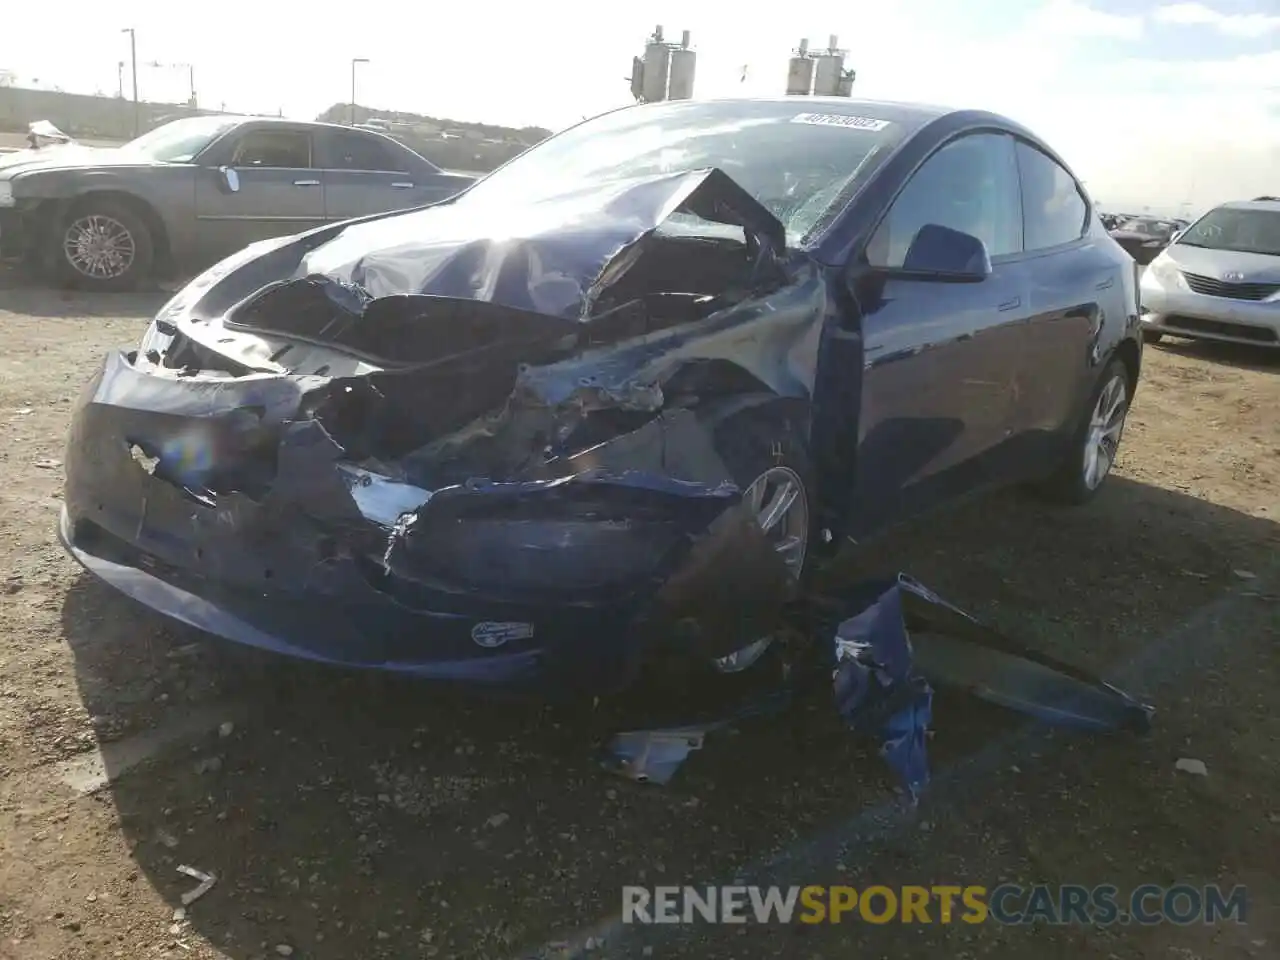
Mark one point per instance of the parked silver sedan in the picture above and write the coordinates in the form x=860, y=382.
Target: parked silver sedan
x=195, y=190
x=1219, y=279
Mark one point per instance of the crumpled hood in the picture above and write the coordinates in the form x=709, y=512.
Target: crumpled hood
x=1255, y=267
x=550, y=256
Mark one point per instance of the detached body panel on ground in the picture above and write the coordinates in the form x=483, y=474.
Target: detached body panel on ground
x=596, y=410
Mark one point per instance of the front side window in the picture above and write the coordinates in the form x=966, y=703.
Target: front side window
x=969, y=185
x=273, y=148
x=1054, y=212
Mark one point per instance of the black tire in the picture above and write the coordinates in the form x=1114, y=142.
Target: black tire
x=1069, y=484
x=113, y=212
x=1152, y=336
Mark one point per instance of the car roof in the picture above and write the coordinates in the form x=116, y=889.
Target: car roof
x=1272, y=205
x=249, y=118
x=907, y=114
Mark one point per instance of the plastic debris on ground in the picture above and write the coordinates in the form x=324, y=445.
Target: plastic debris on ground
x=207, y=880
x=878, y=690
x=892, y=641
x=654, y=754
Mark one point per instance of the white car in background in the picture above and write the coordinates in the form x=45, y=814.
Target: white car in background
x=1219, y=279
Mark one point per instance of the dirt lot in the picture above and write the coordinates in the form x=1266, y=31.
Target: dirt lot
x=361, y=817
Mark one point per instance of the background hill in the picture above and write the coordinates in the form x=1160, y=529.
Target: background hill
x=452, y=144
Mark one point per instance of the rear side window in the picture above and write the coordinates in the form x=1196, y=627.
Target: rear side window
x=273, y=148
x=1054, y=211
x=970, y=185
x=350, y=151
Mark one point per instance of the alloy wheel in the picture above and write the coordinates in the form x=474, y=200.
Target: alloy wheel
x=781, y=507
x=99, y=247
x=1106, y=424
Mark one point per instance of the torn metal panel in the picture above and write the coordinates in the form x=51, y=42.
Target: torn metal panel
x=954, y=649
x=554, y=257
x=878, y=689
x=905, y=636
x=897, y=638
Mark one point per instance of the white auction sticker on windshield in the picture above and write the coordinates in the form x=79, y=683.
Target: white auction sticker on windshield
x=840, y=120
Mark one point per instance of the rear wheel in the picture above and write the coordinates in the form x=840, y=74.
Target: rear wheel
x=765, y=453
x=1097, y=439
x=103, y=245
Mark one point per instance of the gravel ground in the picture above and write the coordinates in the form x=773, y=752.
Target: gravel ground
x=359, y=816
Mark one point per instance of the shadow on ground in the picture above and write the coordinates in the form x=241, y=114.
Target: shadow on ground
x=1239, y=355
x=355, y=815
x=19, y=294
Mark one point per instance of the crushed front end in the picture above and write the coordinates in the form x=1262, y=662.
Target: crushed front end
x=517, y=498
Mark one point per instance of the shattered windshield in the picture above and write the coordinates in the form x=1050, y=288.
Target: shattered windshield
x=796, y=162
x=1242, y=231
x=181, y=140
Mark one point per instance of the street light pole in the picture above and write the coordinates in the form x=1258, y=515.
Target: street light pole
x=354, y=61
x=133, y=69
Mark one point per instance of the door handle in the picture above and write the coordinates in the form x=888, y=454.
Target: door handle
x=402, y=185
x=1011, y=304
x=1106, y=284
x=306, y=183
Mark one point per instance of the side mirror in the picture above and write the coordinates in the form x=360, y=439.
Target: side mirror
x=230, y=179
x=940, y=253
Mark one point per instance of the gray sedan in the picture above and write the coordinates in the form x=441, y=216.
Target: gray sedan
x=195, y=190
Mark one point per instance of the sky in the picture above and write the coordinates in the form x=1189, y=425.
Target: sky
x=1152, y=103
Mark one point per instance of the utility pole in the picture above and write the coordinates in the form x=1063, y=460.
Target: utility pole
x=120, y=79
x=133, y=64
x=354, y=61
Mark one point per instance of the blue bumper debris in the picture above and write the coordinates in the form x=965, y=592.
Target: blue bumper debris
x=894, y=640
x=904, y=636
x=878, y=689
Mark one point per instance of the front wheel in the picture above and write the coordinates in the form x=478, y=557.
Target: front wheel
x=1096, y=441
x=766, y=454
x=103, y=245
x=1152, y=336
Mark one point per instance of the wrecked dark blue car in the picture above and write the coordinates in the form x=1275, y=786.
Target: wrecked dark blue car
x=609, y=402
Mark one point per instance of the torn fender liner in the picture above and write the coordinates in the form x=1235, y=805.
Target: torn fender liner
x=881, y=674
x=553, y=256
